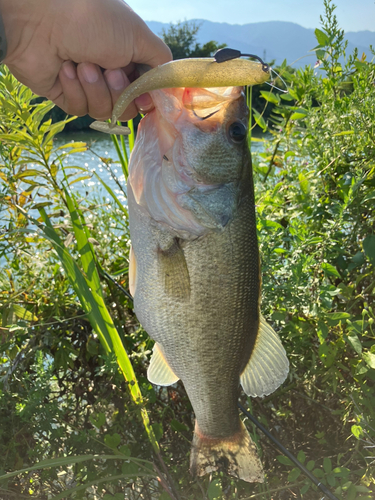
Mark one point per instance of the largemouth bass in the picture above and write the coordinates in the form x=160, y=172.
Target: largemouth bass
x=194, y=267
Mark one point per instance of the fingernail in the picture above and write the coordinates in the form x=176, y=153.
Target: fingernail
x=90, y=73
x=115, y=79
x=144, y=102
x=69, y=70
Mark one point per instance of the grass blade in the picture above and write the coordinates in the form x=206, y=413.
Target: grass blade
x=107, y=479
x=110, y=191
x=93, y=303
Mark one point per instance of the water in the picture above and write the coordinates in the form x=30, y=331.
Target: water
x=101, y=148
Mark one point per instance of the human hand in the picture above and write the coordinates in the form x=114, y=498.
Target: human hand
x=80, y=54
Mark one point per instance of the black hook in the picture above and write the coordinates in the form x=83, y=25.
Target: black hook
x=227, y=54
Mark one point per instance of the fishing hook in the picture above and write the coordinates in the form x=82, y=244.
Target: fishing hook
x=227, y=54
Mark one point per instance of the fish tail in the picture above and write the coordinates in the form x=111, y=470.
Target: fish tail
x=235, y=455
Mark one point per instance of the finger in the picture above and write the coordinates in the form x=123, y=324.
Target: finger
x=98, y=96
x=148, y=48
x=117, y=81
x=72, y=98
x=144, y=103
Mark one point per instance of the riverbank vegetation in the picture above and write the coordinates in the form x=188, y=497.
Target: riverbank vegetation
x=74, y=425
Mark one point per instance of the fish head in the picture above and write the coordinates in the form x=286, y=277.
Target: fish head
x=215, y=141
x=192, y=144
x=209, y=130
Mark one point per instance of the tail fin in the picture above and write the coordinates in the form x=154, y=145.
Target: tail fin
x=236, y=455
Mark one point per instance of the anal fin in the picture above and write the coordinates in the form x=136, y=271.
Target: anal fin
x=268, y=366
x=159, y=372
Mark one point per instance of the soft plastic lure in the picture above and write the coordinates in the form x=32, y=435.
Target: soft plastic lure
x=194, y=72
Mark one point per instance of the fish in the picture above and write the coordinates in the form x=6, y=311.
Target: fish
x=194, y=269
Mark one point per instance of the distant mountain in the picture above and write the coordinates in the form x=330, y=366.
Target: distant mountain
x=275, y=40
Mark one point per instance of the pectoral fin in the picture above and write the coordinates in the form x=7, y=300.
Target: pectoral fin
x=174, y=272
x=268, y=365
x=159, y=372
x=132, y=275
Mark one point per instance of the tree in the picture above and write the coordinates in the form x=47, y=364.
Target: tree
x=181, y=38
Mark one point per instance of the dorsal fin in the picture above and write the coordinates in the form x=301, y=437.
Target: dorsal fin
x=159, y=372
x=268, y=365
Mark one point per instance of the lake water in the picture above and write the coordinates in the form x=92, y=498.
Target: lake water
x=100, y=147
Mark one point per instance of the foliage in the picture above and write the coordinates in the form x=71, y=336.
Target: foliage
x=316, y=185
x=68, y=421
x=181, y=38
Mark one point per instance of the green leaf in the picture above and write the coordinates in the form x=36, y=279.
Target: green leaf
x=357, y=431
x=287, y=97
x=331, y=480
x=310, y=465
x=330, y=270
x=327, y=465
x=304, y=183
x=314, y=240
x=351, y=493
x=341, y=472
x=98, y=420
x=294, y=474
x=259, y=120
x=299, y=114
x=270, y=223
x=23, y=313
x=357, y=260
x=158, y=430
x=177, y=426
x=345, y=132
x=125, y=450
x=284, y=460
x=270, y=96
x=112, y=440
x=354, y=341
x=337, y=316
x=318, y=473
x=305, y=489
x=322, y=37
x=215, y=491
x=369, y=358
x=301, y=457
x=289, y=154
x=369, y=247
x=130, y=468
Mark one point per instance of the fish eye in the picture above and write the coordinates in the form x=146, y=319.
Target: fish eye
x=237, y=132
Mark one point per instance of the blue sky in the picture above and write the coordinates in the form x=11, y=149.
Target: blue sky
x=352, y=15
